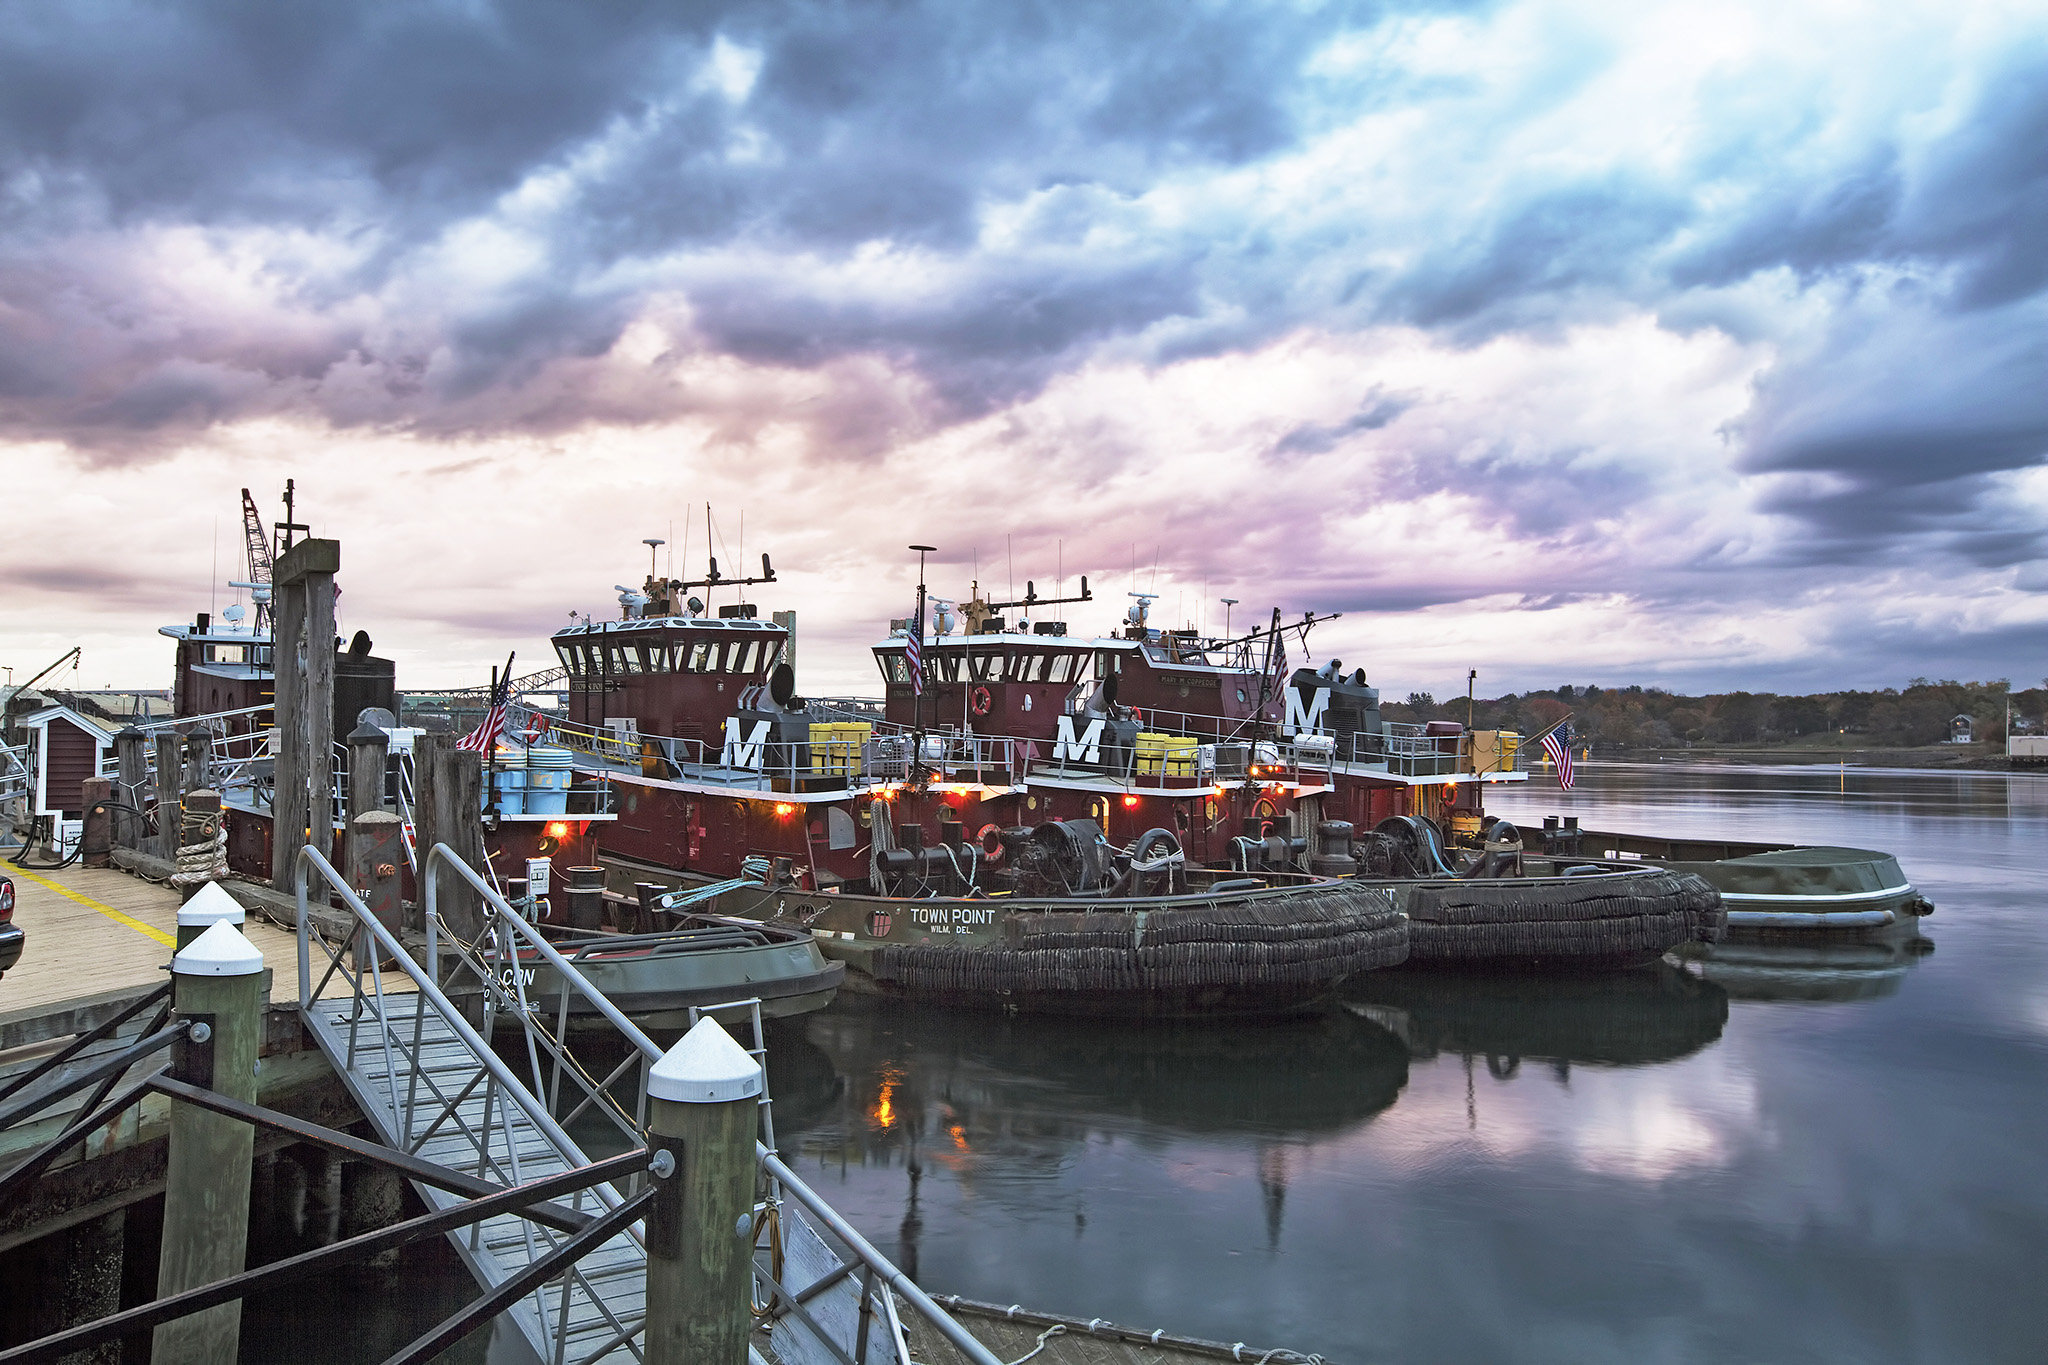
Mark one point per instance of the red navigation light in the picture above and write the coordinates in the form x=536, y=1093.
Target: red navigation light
x=784, y=810
x=1130, y=800
x=558, y=829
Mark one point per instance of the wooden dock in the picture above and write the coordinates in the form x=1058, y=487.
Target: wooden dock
x=94, y=930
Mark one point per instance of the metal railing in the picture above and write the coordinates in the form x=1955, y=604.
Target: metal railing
x=15, y=776
x=383, y=1026
x=504, y=1131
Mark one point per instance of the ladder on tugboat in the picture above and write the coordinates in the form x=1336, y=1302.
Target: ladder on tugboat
x=421, y=1067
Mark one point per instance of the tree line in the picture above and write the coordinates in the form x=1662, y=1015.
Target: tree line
x=1638, y=717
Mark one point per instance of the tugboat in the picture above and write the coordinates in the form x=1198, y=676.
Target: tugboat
x=655, y=963
x=1049, y=868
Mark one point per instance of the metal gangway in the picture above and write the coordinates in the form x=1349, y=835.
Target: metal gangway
x=412, y=1039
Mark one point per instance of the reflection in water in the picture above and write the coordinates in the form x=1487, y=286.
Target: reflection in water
x=1662, y=1165
x=875, y=1075
x=1815, y=971
x=1654, y=1014
x=1003, y=1109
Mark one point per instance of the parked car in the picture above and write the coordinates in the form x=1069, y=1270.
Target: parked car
x=10, y=933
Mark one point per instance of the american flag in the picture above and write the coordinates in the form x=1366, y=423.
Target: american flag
x=1560, y=751
x=486, y=733
x=913, y=651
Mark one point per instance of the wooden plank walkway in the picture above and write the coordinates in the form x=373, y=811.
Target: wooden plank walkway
x=92, y=930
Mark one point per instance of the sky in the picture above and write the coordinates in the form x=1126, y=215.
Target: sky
x=1702, y=345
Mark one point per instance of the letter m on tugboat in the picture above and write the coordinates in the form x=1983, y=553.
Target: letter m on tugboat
x=1084, y=748
x=1306, y=719
x=743, y=751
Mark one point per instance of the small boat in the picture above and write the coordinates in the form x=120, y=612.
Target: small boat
x=704, y=961
x=1501, y=907
x=1773, y=890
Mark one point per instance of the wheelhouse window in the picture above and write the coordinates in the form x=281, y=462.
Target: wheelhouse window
x=986, y=665
x=1063, y=668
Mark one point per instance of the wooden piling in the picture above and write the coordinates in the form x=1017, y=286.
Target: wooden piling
x=302, y=666
x=288, y=793
x=376, y=852
x=217, y=982
x=368, y=752
x=96, y=840
x=198, y=761
x=167, y=778
x=319, y=704
x=705, y=1096
x=131, y=750
x=450, y=811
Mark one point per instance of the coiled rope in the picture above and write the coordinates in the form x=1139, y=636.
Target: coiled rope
x=202, y=848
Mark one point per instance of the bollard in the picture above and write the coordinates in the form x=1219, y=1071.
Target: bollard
x=210, y=905
x=705, y=1096
x=96, y=840
x=586, y=898
x=218, y=983
x=647, y=919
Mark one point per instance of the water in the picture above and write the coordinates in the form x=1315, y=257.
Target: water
x=1811, y=1157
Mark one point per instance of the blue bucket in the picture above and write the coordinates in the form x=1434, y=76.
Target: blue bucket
x=511, y=788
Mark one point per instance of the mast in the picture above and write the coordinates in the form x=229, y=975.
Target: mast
x=917, y=672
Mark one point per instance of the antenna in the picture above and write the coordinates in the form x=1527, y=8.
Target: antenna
x=653, y=544
x=1228, y=603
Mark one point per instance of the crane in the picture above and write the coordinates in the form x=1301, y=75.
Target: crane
x=259, y=557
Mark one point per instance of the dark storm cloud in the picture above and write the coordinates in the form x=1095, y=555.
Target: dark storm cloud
x=1046, y=183
x=384, y=128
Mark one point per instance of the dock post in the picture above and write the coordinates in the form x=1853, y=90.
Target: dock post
x=449, y=810
x=217, y=983
x=705, y=1097
x=96, y=840
x=210, y=905
x=131, y=749
x=376, y=850
x=198, y=753
x=319, y=703
x=368, y=751
x=302, y=669
x=167, y=795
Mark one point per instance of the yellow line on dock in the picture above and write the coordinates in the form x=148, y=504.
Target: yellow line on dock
x=89, y=903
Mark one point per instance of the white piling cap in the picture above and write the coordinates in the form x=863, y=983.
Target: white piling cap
x=220, y=951
x=706, y=1067
x=211, y=904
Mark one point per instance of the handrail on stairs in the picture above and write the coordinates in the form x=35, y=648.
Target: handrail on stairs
x=310, y=859
x=442, y=859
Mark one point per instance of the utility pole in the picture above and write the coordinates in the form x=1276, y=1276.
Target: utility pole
x=1471, y=682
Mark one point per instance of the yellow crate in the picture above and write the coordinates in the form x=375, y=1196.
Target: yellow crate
x=835, y=746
